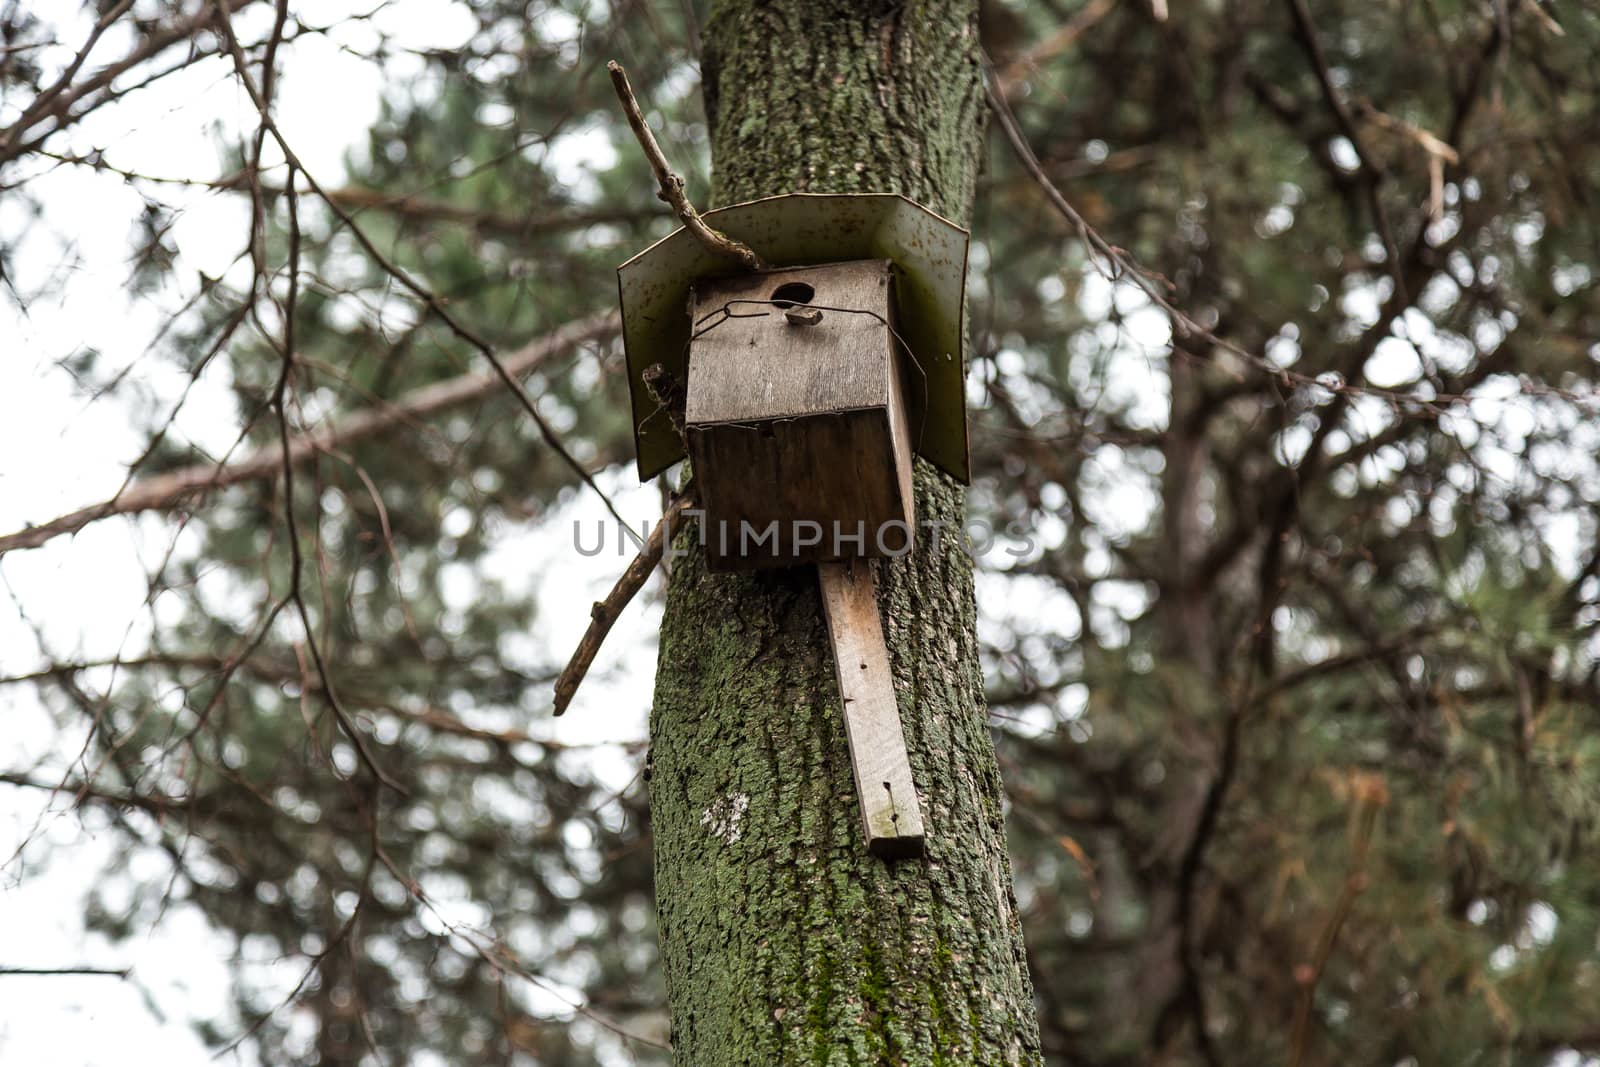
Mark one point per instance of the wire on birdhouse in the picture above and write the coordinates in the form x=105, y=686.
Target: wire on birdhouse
x=672, y=184
x=724, y=312
x=726, y=315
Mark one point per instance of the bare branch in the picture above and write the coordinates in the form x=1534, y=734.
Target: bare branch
x=1370, y=795
x=43, y=101
x=498, y=224
x=671, y=184
x=1373, y=171
x=1059, y=41
x=168, y=490
x=1123, y=267
x=64, y=96
x=605, y=612
x=109, y=972
x=435, y=305
x=410, y=207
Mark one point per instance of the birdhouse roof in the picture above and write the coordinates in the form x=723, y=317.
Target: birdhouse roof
x=809, y=229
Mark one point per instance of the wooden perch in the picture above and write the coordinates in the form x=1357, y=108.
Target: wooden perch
x=671, y=184
x=890, y=814
x=605, y=612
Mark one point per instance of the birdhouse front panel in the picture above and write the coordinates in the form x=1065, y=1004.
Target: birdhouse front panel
x=797, y=416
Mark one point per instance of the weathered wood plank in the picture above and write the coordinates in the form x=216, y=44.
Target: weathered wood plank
x=799, y=428
x=825, y=487
x=890, y=812
x=755, y=366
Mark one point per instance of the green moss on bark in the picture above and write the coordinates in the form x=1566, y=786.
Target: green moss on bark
x=784, y=941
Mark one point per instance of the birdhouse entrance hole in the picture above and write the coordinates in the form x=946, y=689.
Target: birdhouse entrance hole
x=789, y=294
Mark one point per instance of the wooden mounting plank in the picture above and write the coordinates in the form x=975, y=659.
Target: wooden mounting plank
x=889, y=811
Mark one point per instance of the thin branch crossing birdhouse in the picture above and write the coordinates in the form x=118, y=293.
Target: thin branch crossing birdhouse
x=809, y=387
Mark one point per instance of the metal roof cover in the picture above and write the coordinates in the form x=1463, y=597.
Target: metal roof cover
x=809, y=229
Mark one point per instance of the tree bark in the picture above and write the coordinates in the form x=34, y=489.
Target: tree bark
x=784, y=941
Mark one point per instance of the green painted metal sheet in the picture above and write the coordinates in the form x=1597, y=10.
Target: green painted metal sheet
x=807, y=229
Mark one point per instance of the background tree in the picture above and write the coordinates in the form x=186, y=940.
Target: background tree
x=1291, y=675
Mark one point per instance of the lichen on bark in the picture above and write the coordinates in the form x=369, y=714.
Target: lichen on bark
x=784, y=941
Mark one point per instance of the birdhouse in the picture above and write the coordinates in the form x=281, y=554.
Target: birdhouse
x=797, y=422
x=811, y=385
x=808, y=388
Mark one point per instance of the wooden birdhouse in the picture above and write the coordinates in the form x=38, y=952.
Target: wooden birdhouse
x=808, y=388
x=797, y=421
x=811, y=385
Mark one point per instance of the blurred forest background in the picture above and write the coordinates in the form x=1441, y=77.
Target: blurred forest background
x=1291, y=652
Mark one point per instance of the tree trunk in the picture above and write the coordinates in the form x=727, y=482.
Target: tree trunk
x=784, y=941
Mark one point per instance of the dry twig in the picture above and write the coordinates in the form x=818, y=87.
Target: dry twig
x=40, y=972
x=1439, y=153
x=286, y=455
x=671, y=184
x=1372, y=170
x=605, y=612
